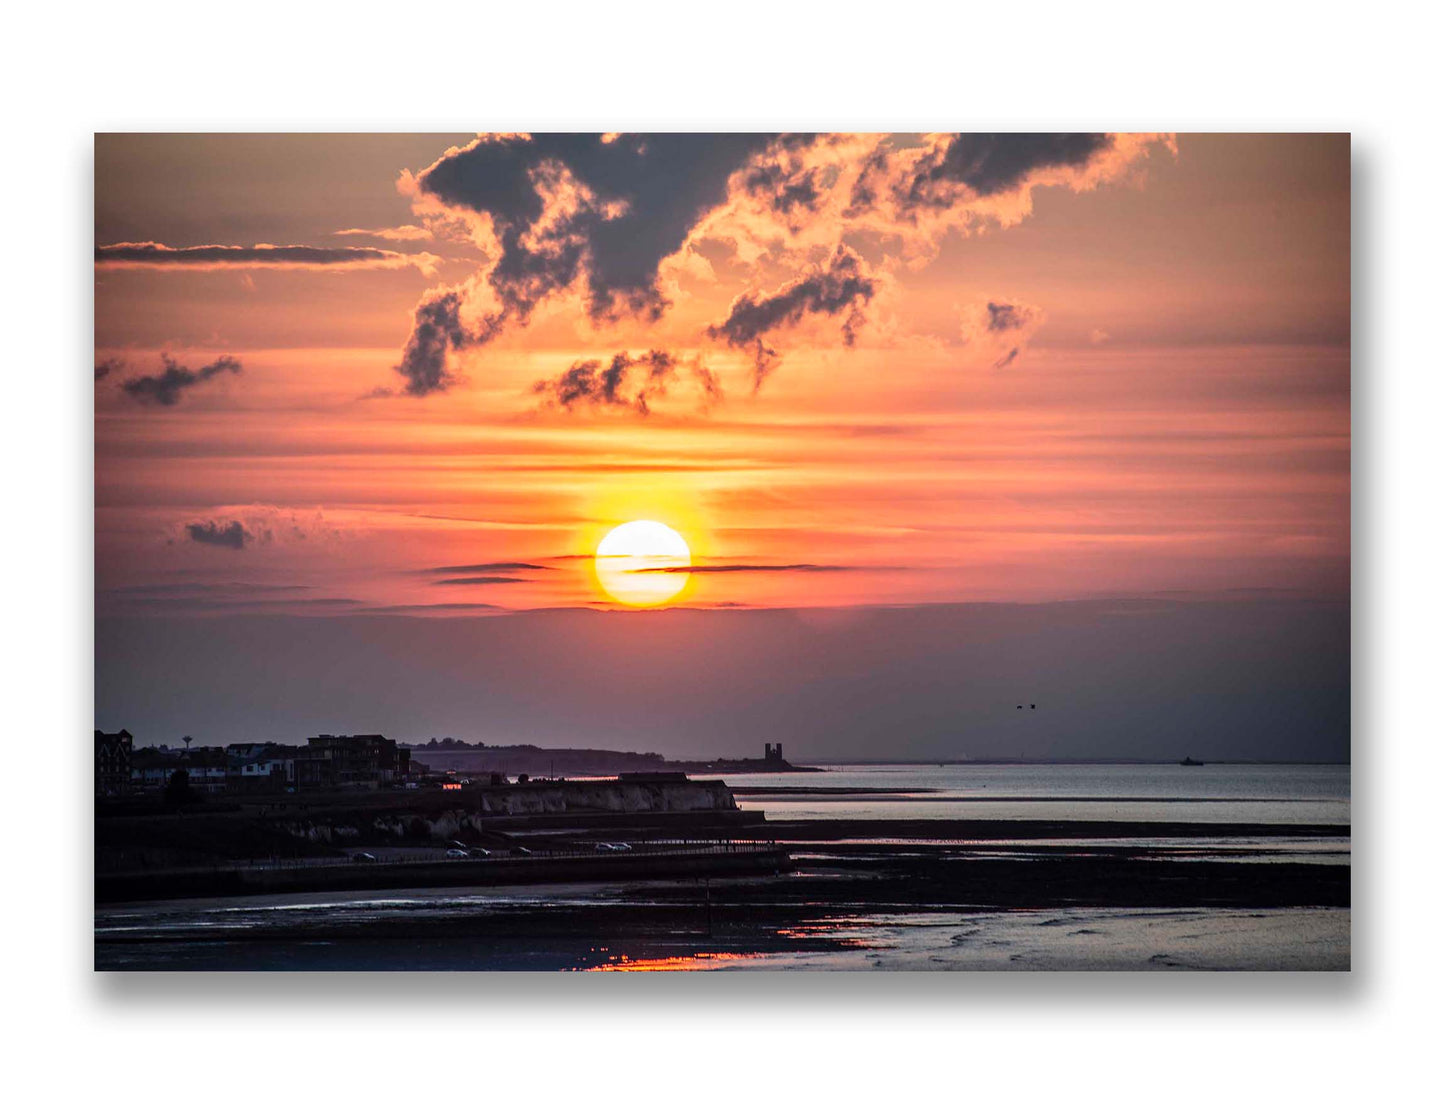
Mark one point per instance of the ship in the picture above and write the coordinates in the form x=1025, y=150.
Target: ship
x=1188, y=762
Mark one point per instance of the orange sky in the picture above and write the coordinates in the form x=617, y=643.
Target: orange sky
x=1166, y=407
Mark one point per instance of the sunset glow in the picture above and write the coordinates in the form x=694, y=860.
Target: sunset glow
x=1021, y=396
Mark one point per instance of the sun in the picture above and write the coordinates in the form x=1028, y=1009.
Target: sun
x=643, y=563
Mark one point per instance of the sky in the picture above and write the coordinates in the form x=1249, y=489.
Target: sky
x=1036, y=411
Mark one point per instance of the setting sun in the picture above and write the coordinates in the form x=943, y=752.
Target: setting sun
x=642, y=563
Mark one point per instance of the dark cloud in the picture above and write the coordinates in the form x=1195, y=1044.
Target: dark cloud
x=428, y=607
x=478, y=580
x=785, y=191
x=165, y=388
x=1003, y=317
x=437, y=328
x=765, y=359
x=708, y=384
x=648, y=191
x=722, y=569
x=231, y=535
x=842, y=285
x=1001, y=328
x=156, y=255
x=625, y=381
x=599, y=214
x=470, y=569
x=869, y=183
x=570, y=206
x=987, y=164
x=107, y=366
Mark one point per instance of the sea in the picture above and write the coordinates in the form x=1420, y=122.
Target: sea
x=300, y=931
x=1223, y=793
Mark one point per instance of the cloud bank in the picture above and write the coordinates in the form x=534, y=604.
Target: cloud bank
x=612, y=219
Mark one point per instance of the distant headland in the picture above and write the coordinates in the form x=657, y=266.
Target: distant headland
x=518, y=759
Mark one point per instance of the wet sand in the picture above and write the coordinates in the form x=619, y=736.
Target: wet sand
x=859, y=893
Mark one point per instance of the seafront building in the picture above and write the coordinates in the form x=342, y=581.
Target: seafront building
x=363, y=762
x=351, y=763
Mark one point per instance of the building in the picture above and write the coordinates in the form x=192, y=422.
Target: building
x=363, y=762
x=112, y=763
x=151, y=767
x=260, y=768
x=205, y=769
x=773, y=753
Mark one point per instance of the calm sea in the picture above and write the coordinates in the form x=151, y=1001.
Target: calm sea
x=1226, y=793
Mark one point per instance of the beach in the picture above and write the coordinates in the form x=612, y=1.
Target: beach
x=1062, y=867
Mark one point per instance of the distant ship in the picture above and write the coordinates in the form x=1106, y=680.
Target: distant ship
x=1188, y=762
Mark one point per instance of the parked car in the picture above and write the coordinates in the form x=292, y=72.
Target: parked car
x=458, y=853
x=363, y=857
x=522, y=851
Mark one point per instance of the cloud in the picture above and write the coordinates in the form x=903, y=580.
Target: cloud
x=722, y=569
x=841, y=285
x=107, y=366
x=428, y=607
x=388, y=233
x=789, y=185
x=193, y=257
x=1007, y=317
x=617, y=220
x=258, y=524
x=468, y=569
x=987, y=164
x=437, y=328
x=558, y=211
x=166, y=387
x=1000, y=329
x=903, y=194
x=478, y=580
x=626, y=381
x=232, y=535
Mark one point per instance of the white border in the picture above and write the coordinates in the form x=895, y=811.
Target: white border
x=443, y=66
